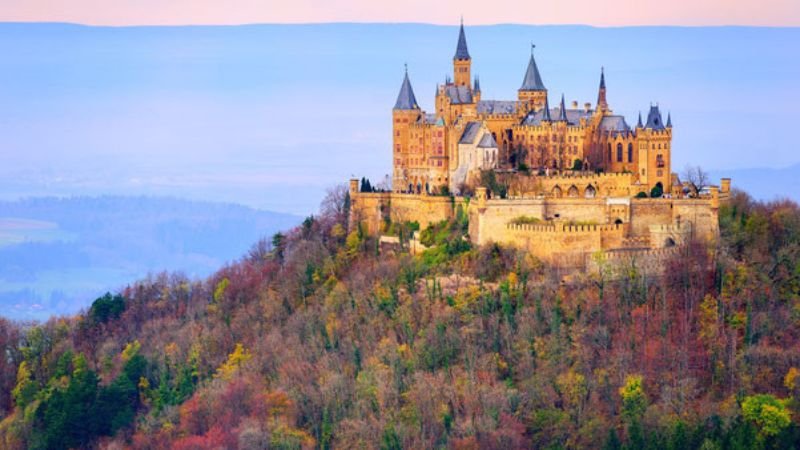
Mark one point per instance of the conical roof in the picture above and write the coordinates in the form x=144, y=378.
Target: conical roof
x=532, y=80
x=562, y=115
x=406, y=98
x=654, y=119
x=461, y=48
x=546, y=115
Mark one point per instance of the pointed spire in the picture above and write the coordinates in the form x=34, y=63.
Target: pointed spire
x=477, y=87
x=602, y=104
x=532, y=80
x=461, y=48
x=639, y=124
x=546, y=115
x=406, y=98
x=602, y=77
x=669, y=120
x=562, y=115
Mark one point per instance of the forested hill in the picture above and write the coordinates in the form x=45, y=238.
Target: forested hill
x=319, y=338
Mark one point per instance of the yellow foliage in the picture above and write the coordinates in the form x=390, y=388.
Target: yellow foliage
x=790, y=380
x=219, y=290
x=512, y=279
x=352, y=243
x=131, y=350
x=338, y=231
x=235, y=360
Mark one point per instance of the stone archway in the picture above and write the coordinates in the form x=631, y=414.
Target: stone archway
x=669, y=242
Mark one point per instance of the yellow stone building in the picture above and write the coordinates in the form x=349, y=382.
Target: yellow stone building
x=580, y=181
x=523, y=133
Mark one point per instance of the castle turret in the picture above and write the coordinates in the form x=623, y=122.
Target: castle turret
x=639, y=123
x=602, y=103
x=532, y=90
x=405, y=112
x=462, y=63
x=546, y=109
x=476, y=91
x=562, y=113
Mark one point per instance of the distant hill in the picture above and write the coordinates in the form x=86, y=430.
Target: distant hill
x=57, y=254
x=245, y=113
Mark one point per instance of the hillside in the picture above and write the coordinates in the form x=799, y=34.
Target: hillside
x=56, y=254
x=318, y=338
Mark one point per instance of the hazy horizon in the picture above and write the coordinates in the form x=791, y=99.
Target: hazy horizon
x=249, y=114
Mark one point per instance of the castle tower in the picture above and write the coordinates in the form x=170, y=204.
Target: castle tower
x=532, y=90
x=602, y=104
x=654, y=140
x=462, y=63
x=405, y=112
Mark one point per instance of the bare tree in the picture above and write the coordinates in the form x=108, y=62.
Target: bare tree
x=336, y=203
x=696, y=176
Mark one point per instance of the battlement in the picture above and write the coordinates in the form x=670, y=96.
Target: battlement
x=564, y=228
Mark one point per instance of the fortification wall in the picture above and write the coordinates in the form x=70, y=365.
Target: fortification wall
x=371, y=209
x=701, y=213
x=561, y=243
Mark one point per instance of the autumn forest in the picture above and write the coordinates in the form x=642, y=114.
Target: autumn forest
x=319, y=337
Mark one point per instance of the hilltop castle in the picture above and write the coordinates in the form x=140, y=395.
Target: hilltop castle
x=576, y=180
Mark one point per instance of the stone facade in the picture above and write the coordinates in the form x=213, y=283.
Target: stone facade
x=597, y=186
x=526, y=132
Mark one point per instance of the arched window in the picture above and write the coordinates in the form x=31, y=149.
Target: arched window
x=557, y=192
x=630, y=152
x=590, y=192
x=609, y=152
x=619, y=152
x=572, y=192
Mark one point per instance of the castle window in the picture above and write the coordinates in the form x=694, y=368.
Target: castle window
x=659, y=161
x=630, y=152
x=609, y=152
x=619, y=152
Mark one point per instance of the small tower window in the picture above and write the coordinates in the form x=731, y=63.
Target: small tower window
x=619, y=152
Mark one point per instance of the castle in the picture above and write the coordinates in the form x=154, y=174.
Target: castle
x=576, y=180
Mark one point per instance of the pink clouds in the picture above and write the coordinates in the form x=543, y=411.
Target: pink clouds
x=591, y=12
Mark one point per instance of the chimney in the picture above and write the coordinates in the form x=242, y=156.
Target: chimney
x=574, y=104
x=587, y=106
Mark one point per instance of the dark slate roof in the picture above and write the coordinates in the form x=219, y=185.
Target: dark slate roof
x=470, y=133
x=497, y=107
x=546, y=111
x=461, y=48
x=406, y=99
x=477, y=87
x=487, y=141
x=669, y=120
x=602, y=78
x=614, y=124
x=458, y=94
x=639, y=124
x=562, y=113
x=654, y=119
x=430, y=118
x=532, y=80
x=574, y=116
